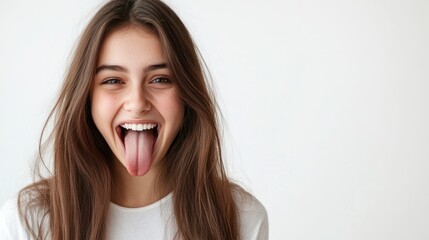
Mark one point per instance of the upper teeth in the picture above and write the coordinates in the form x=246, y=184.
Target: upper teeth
x=138, y=127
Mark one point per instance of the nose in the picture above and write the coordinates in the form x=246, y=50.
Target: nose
x=137, y=101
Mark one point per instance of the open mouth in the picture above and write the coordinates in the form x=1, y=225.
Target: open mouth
x=149, y=128
x=138, y=141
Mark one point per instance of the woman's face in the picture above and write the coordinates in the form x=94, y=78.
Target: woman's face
x=134, y=103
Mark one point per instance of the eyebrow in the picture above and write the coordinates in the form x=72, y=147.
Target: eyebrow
x=120, y=68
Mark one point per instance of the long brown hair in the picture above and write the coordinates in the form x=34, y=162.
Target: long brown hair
x=73, y=202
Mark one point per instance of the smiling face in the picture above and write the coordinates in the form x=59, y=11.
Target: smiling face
x=134, y=102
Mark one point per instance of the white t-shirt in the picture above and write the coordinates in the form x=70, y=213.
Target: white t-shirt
x=155, y=221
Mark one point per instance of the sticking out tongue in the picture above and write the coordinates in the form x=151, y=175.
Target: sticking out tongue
x=138, y=151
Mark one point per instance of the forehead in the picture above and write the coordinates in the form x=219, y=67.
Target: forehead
x=131, y=44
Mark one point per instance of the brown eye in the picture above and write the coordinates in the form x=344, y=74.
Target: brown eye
x=111, y=81
x=161, y=80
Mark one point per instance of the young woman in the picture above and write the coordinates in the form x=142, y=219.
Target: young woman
x=136, y=145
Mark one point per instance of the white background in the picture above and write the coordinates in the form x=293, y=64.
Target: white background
x=326, y=104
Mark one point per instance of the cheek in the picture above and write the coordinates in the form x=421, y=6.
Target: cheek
x=172, y=109
x=101, y=103
x=176, y=111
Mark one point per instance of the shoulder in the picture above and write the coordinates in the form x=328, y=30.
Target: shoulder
x=10, y=222
x=253, y=217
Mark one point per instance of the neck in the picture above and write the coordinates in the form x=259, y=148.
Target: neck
x=135, y=191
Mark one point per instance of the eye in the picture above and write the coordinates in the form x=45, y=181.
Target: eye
x=111, y=81
x=160, y=80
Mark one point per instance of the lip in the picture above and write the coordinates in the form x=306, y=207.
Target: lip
x=137, y=122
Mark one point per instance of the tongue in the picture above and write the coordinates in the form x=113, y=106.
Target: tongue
x=138, y=151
